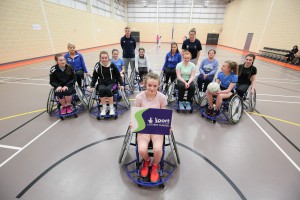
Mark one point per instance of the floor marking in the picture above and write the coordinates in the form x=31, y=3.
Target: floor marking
x=22, y=83
x=275, y=118
x=277, y=101
x=29, y=143
x=9, y=147
x=293, y=83
x=22, y=114
x=36, y=79
x=283, y=152
x=277, y=95
x=277, y=79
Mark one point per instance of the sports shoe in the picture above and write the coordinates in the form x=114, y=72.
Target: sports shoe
x=209, y=111
x=63, y=110
x=154, y=175
x=69, y=109
x=145, y=169
x=112, y=110
x=181, y=106
x=103, y=110
x=188, y=105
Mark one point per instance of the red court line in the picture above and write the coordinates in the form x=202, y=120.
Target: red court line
x=282, y=64
x=44, y=58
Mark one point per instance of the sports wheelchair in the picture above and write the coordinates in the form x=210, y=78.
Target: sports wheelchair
x=132, y=168
x=231, y=109
x=121, y=103
x=54, y=106
x=249, y=100
x=173, y=91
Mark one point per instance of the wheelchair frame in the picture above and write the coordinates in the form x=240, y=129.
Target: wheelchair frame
x=56, y=111
x=134, y=174
x=249, y=100
x=226, y=107
x=120, y=108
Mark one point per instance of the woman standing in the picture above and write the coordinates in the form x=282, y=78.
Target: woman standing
x=75, y=59
x=193, y=45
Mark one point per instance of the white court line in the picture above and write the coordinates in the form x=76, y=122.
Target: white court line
x=292, y=83
x=277, y=101
x=27, y=83
x=268, y=136
x=36, y=79
x=9, y=147
x=280, y=71
x=276, y=95
x=29, y=143
x=279, y=79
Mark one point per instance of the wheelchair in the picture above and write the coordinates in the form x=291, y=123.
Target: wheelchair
x=175, y=105
x=167, y=89
x=121, y=104
x=231, y=109
x=54, y=106
x=249, y=100
x=132, y=168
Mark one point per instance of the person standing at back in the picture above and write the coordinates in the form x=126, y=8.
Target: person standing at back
x=193, y=45
x=128, y=45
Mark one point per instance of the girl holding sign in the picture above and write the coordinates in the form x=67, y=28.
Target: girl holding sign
x=151, y=98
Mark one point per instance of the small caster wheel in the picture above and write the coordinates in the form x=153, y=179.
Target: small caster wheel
x=214, y=121
x=98, y=118
x=191, y=111
x=75, y=116
x=178, y=110
x=139, y=185
x=116, y=116
x=162, y=186
x=202, y=115
x=62, y=118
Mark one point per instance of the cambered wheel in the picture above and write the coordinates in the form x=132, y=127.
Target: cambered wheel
x=235, y=109
x=125, y=146
x=50, y=102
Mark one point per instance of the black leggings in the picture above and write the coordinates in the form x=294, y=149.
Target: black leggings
x=67, y=92
x=106, y=90
x=170, y=72
x=142, y=72
x=241, y=89
x=79, y=77
x=182, y=89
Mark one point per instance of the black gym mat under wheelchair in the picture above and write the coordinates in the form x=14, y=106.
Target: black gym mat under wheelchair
x=43, y=157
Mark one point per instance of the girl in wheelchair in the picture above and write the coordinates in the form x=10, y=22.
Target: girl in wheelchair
x=150, y=98
x=247, y=76
x=107, y=75
x=172, y=59
x=185, y=72
x=62, y=78
x=142, y=65
x=227, y=79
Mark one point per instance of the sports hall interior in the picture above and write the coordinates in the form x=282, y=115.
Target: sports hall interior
x=44, y=157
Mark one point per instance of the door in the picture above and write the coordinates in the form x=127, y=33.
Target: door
x=212, y=39
x=248, y=41
x=136, y=35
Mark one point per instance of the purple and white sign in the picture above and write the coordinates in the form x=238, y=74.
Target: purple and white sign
x=151, y=120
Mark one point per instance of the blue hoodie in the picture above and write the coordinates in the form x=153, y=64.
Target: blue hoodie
x=77, y=62
x=172, y=61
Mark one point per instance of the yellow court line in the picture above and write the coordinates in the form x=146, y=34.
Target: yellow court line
x=131, y=99
x=285, y=121
x=18, y=115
